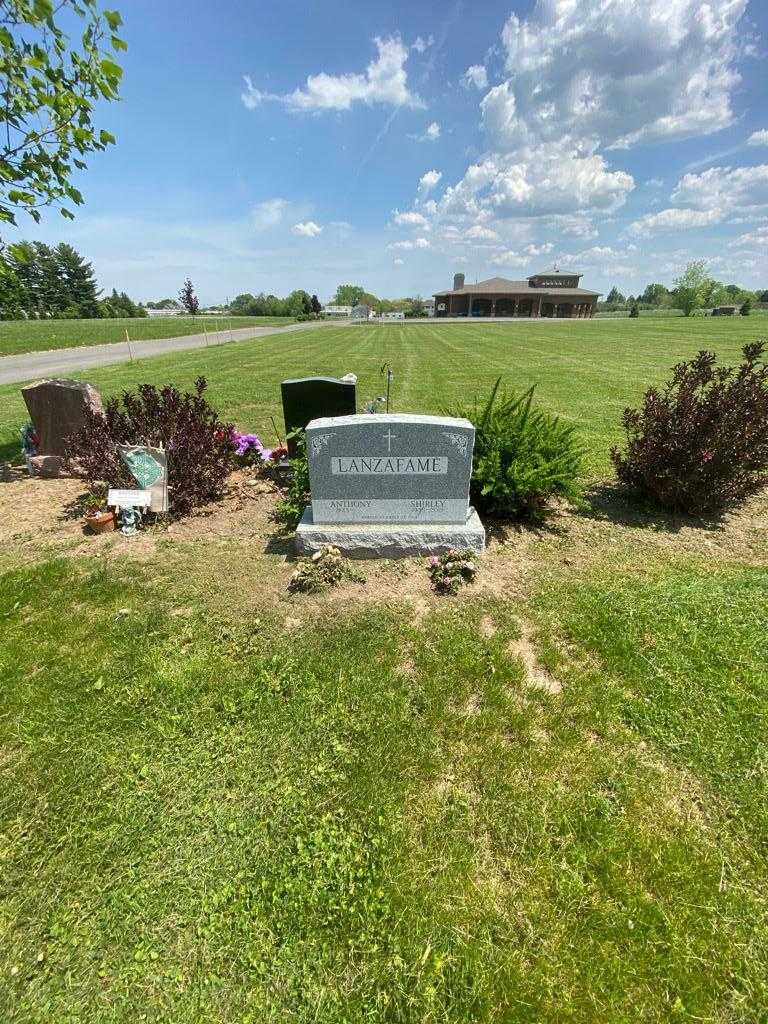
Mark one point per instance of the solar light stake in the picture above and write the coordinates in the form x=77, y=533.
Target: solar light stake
x=390, y=375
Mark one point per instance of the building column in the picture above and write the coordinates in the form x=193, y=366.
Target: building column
x=493, y=307
x=469, y=308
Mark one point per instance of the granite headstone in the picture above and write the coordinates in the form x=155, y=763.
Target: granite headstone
x=390, y=484
x=57, y=409
x=307, y=398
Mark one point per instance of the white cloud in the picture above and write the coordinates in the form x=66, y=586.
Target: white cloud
x=758, y=138
x=269, y=213
x=509, y=258
x=616, y=72
x=420, y=44
x=757, y=239
x=535, y=182
x=417, y=243
x=724, y=188
x=385, y=81
x=673, y=219
x=481, y=234
x=476, y=76
x=429, y=180
x=307, y=229
x=433, y=131
x=398, y=262
x=411, y=219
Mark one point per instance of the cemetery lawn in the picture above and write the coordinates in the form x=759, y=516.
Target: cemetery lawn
x=544, y=800
x=585, y=371
x=18, y=336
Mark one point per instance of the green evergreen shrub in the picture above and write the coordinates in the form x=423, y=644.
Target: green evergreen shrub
x=523, y=457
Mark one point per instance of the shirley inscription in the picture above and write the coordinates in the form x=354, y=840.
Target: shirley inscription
x=390, y=468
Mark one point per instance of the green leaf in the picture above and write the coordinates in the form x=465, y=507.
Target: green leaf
x=106, y=138
x=110, y=69
x=118, y=43
x=113, y=19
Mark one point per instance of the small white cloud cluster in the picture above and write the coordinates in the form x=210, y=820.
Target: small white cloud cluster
x=307, y=229
x=475, y=75
x=407, y=244
x=758, y=138
x=429, y=180
x=385, y=81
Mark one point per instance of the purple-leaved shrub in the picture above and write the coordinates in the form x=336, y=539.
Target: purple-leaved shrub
x=200, y=447
x=699, y=444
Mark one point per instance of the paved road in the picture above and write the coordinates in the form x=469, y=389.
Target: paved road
x=64, y=362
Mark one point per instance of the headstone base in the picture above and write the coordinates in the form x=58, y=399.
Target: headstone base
x=390, y=540
x=48, y=466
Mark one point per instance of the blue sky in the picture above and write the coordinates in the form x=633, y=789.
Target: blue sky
x=264, y=147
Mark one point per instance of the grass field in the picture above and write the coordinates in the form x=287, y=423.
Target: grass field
x=17, y=336
x=544, y=801
x=584, y=371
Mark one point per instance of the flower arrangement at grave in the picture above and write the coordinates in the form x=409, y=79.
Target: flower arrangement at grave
x=199, y=447
x=452, y=570
x=250, y=451
x=326, y=568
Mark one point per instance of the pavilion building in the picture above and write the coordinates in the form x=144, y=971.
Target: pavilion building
x=551, y=294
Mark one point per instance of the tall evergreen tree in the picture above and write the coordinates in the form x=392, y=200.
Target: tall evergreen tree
x=76, y=282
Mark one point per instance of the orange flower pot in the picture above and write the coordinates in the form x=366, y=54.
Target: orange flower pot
x=102, y=522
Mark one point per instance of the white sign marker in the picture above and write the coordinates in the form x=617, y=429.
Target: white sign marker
x=128, y=499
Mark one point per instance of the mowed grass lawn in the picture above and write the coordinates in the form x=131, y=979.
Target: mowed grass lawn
x=18, y=336
x=225, y=806
x=585, y=372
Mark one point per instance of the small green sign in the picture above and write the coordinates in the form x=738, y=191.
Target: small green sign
x=145, y=470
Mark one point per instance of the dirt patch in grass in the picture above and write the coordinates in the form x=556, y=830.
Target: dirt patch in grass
x=536, y=675
x=233, y=552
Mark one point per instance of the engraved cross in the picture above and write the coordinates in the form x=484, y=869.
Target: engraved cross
x=389, y=437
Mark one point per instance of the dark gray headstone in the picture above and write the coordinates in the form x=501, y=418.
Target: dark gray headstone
x=57, y=409
x=309, y=398
x=390, y=468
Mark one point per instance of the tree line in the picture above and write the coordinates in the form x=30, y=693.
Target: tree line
x=354, y=294
x=39, y=281
x=693, y=289
x=299, y=304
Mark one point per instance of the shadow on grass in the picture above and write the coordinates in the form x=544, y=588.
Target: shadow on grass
x=281, y=544
x=501, y=531
x=611, y=502
x=10, y=451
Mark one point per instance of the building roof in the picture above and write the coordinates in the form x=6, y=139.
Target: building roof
x=503, y=286
x=557, y=273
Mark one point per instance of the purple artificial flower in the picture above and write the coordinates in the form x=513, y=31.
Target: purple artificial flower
x=245, y=443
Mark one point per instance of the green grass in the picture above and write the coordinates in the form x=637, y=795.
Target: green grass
x=366, y=820
x=18, y=336
x=211, y=810
x=586, y=372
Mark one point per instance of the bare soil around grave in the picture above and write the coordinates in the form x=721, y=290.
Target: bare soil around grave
x=236, y=552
